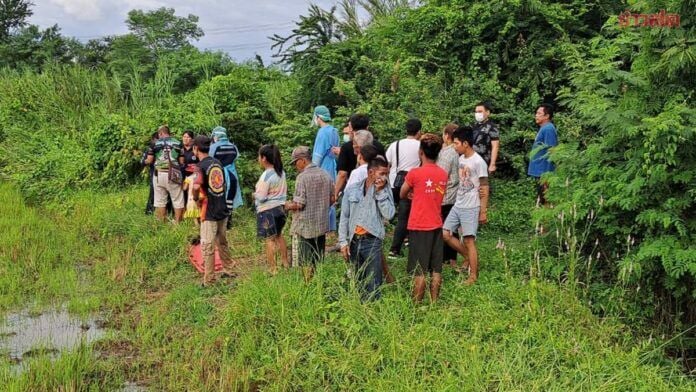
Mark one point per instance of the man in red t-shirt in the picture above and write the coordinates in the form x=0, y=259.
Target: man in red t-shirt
x=427, y=184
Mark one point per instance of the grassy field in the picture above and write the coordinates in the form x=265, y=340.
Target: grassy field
x=99, y=253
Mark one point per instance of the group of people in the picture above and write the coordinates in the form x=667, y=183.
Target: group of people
x=436, y=186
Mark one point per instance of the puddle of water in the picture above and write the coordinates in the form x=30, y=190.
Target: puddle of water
x=24, y=335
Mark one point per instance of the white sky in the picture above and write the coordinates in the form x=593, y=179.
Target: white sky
x=237, y=27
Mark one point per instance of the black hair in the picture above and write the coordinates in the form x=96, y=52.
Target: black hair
x=464, y=134
x=378, y=161
x=155, y=135
x=359, y=121
x=548, y=109
x=272, y=155
x=202, y=143
x=485, y=105
x=413, y=126
x=368, y=152
x=431, y=145
x=189, y=132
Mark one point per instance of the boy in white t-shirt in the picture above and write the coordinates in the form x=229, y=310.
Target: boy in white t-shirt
x=472, y=201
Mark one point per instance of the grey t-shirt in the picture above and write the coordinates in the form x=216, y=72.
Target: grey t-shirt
x=448, y=160
x=470, y=172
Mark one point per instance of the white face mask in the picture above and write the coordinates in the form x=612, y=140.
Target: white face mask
x=346, y=138
x=315, y=122
x=479, y=117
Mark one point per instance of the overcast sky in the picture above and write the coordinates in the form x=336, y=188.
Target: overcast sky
x=238, y=27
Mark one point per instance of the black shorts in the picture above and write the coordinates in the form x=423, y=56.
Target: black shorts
x=425, y=252
x=270, y=223
x=311, y=250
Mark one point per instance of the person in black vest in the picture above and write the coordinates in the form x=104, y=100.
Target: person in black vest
x=209, y=192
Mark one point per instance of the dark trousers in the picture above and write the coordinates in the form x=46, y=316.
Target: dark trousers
x=400, y=231
x=311, y=250
x=448, y=253
x=366, y=258
x=150, y=206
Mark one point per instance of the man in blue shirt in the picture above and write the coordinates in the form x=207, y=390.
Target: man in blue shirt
x=322, y=154
x=545, y=139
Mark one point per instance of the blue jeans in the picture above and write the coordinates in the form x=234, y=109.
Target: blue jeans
x=366, y=258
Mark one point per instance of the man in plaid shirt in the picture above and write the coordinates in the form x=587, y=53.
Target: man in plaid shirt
x=310, y=203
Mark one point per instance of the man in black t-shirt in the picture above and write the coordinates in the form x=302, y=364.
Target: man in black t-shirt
x=209, y=191
x=486, y=136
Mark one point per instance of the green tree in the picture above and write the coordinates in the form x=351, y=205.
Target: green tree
x=13, y=15
x=162, y=30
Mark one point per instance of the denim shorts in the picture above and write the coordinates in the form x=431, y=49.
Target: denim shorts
x=464, y=218
x=270, y=223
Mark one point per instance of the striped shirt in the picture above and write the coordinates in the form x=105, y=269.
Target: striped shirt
x=271, y=191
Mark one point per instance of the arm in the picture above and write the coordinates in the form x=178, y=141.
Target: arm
x=341, y=180
x=495, y=144
x=405, y=189
x=261, y=193
x=299, y=198
x=197, y=183
x=483, y=194
x=385, y=203
x=321, y=146
x=343, y=228
x=332, y=198
x=150, y=159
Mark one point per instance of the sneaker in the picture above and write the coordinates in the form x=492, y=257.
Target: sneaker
x=393, y=255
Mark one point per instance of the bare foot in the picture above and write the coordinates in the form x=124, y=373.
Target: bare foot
x=470, y=281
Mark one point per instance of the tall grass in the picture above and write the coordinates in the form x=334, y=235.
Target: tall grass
x=98, y=252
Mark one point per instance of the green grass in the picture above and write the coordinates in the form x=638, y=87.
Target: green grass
x=508, y=332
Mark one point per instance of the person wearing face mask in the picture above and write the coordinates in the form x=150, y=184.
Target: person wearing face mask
x=486, y=135
x=323, y=154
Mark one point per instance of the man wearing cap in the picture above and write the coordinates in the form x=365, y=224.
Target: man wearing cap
x=323, y=155
x=310, y=206
x=166, y=155
x=226, y=152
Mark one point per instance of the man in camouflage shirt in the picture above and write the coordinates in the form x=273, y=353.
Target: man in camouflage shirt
x=486, y=136
x=167, y=157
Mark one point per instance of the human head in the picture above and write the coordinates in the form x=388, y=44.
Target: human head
x=347, y=131
x=447, y=132
x=482, y=111
x=163, y=131
x=219, y=134
x=187, y=138
x=301, y=158
x=270, y=154
x=377, y=167
x=321, y=116
x=413, y=127
x=430, y=146
x=201, y=146
x=463, y=139
x=367, y=153
x=361, y=138
x=359, y=122
x=544, y=114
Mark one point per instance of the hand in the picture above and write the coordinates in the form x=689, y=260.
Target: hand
x=288, y=205
x=336, y=150
x=491, y=168
x=483, y=217
x=410, y=195
x=380, y=183
x=345, y=251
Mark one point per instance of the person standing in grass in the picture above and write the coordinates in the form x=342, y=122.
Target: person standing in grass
x=545, y=139
x=310, y=206
x=425, y=186
x=226, y=152
x=167, y=158
x=209, y=192
x=472, y=201
x=365, y=207
x=323, y=154
x=486, y=136
x=448, y=160
x=270, y=195
x=402, y=156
